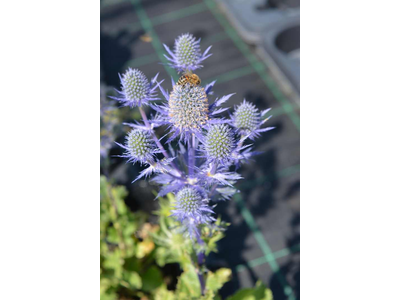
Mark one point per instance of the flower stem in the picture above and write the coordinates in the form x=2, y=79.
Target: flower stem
x=191, y=154
x=153, y=134
x=201, y=257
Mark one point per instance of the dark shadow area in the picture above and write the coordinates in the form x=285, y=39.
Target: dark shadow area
x=288, y=40
x=278, y=4
x=231, y=248
x=290, y=268
x=114, y=53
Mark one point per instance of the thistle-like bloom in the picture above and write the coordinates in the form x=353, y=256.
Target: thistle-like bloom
x=140, y=147
x=247, y=120
x=187, y=54
x=188, y=107
x=136, y=89
x=191, y=209
x=187, y=110
x=219, y=143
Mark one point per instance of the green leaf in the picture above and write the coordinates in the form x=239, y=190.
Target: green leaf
x=112, y=235
x=105, y=283
x=134, y=279
x=132, y=264
x=108, y=296
x=259, y=292
x=152, y=279
x=113, y=261
x=216, y=280
x=107, y=291
x=163, y=294
x=144, y=248
x=161, y=256
x=188, y=284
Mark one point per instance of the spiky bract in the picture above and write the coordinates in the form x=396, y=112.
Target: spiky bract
x=247, y=120
x=191, y=209
x=246, y=117
x=139, y=147
x=219, y=143
x=187, y=54
x=136, y=89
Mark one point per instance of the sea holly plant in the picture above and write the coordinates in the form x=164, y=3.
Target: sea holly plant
x=197, y=157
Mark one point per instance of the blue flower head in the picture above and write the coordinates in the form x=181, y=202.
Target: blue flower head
x=247, y=120
x=139, y=147
x=187, y=110
x=219, y=143
x=136, y=89
x=191, y=209
x=187, y=54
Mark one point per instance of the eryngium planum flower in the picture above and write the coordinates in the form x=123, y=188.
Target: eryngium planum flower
x=136, y=89
x=247, y=120
x=191, y=209
x=246, y=117
x=187, y=54
x=188, y=107
x=139, y=147
x=219, y=143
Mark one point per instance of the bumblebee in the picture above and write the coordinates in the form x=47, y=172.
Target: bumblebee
x=189, y=78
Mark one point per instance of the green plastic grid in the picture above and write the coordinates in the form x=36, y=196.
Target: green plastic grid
x=171, y=16
x=258, y=66
x=269, y=257
x=263, y=260
x=106, y=3
x=151, y=58
x=155, y=41
x=286, y=107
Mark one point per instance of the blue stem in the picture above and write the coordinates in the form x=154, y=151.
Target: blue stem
x=191, y=155
x=155, y=138
x=201, y=257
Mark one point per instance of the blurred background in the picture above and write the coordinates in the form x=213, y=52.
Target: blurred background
x=256, y=54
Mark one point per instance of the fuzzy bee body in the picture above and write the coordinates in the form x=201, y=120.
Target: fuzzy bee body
x=189, y=78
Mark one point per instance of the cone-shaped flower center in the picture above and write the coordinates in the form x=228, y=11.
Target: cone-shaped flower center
x=188, y=200
x=188, y=107
x=139, y=143
x=135, y=85
x=187, y=51
x=219, y=142
x=246, y=117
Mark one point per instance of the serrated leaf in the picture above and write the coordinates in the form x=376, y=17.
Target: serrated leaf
x=108, y=296
x=112, y=235
x=105, y=283
x=216, y=280
x=161, y=256
x=259, y=292
x=188, y=284
x=163, y=294
x=113, y=261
